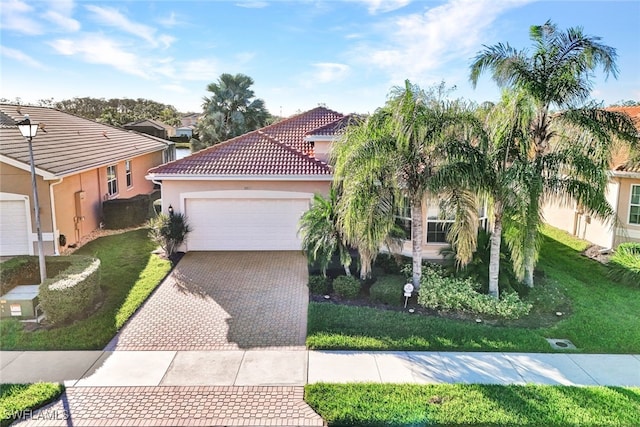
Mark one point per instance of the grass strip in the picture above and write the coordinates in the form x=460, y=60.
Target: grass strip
x=15, y=399
x=474, y=405
x=129, y=273
x=603, y=315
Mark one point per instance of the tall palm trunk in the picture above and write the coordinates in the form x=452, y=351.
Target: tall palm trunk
x=530, y=248
x=494, y=254
x=416, y=240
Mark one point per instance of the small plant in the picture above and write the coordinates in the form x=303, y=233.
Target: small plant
x=624, y=265
x=318, y=285
x=346, y=286
x=388, y=290
x=450, y=293
x=169, y=231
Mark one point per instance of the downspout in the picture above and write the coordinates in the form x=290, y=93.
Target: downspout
x=615, y=207
x=54, y=223
x=159, y=183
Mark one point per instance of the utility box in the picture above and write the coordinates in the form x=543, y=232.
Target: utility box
x=20, y=302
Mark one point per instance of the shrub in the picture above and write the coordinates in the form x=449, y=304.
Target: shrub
x=388, y=290
x=124, y=213
x=73, y=292
x=24, y=270
x=391, y=264
x=450, y=293
x=624, y=265
x=318, y=285
x=346, y=286
x=169, y=231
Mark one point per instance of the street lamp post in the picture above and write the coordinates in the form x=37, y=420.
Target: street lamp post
x=28, y=131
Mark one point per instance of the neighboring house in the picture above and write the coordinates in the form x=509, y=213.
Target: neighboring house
x=248, y=193
x=623, y=194
x=152, y=127
x=79, y=164
x=190, y=120
x=184, y=131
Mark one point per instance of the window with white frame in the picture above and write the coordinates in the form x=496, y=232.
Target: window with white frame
x=127, y=169
x=634, y=208
x=437, y=227
x=403, y=218
x=112, y=180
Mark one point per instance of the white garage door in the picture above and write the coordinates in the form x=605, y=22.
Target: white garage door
x=14, y=234
x=244, y=224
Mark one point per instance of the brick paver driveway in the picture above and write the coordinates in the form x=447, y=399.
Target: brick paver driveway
x=224, y=300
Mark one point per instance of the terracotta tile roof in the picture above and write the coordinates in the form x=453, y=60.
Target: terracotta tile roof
x=66, y=144
x=633, y=112
x=292, y=130
x=278, y=149
x=334, y=127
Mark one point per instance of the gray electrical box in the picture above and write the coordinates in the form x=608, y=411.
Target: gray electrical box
x=20, y=302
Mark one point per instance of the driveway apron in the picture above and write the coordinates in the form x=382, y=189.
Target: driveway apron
x=224, y=301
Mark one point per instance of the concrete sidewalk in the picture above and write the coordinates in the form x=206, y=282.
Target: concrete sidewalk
x=299, y=367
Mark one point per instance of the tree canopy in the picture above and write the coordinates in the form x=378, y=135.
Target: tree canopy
x=230, y=111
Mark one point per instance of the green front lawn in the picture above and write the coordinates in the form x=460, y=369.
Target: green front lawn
x=474, y=405
x=17, y=398
x=602, y=317
x=129, y=273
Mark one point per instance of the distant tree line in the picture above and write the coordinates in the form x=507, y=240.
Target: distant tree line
x=114, y=111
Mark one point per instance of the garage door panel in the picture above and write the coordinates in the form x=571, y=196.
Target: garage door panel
x=14, y=237
x=244, y=224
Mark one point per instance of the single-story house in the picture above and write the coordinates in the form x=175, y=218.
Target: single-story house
x=152, y=127
x=185, y=131
x=623, y=194
x=79, y=164
x=248, y=193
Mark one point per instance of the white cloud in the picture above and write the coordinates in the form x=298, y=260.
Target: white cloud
x=19, y=56
x=98, y=49
x=170, y=21
x=177, y=88
x=375, y=6
x=249, y=4
x=18, y=16
x=63, y=22
x=199, y=69
x=421, y=43
x=328, y=72
x=113, y=18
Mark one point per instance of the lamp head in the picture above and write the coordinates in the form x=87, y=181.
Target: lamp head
x=170, y=210
x=27, y=129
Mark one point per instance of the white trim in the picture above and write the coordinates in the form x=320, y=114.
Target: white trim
x=625, y=232
x=27, y=213
x=153, y=177
x=630, y=205
x=620, y=174
x=320, y=138
x=26, y=167
x=54, y=220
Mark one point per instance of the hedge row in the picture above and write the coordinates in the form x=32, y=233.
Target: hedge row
x=72, y=293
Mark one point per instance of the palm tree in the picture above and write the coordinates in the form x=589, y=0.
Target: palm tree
x=557, y=74
x=230, y=111
x=321, y=237
x=390, y=156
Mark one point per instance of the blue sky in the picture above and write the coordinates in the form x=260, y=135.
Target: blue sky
x=344, y=54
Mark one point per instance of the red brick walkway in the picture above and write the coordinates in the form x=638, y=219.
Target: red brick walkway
x=177, y=406
x=224, y=301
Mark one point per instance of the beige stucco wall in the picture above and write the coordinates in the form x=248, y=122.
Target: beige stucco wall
x=70, y=219
x=626, y=232
x=601, y=233
x=18, y=181
x=171, y=190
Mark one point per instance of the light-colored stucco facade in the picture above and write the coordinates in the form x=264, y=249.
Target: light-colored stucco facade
x=72, y=205
x=607, y=234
